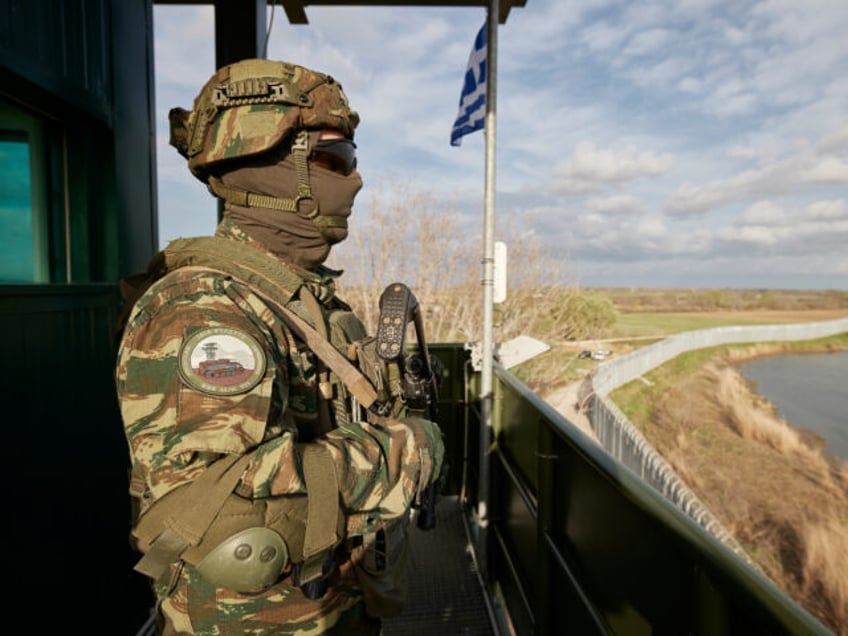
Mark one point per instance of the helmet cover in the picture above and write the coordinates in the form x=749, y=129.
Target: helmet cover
x=251, y=106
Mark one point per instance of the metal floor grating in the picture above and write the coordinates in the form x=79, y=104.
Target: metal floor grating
x=445, y=596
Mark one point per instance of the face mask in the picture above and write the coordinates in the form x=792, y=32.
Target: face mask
x=303, y=237
x=335, y=194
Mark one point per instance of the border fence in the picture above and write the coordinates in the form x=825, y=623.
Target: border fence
x=627, y=444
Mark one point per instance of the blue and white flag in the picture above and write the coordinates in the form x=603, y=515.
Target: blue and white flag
x=472, y=101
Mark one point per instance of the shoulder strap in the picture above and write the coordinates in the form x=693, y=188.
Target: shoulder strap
x=236, y=258
x=322, y=487
x=353, y=379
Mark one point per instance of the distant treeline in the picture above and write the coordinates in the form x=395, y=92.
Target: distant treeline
x=683, y=300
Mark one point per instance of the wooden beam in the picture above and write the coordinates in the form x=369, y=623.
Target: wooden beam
x=295, y=11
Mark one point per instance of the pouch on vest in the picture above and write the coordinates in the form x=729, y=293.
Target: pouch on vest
x=285, y=517
x=192, y=522
x=344, y=330
x=384, y=376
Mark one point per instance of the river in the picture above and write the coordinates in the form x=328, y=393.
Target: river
x=810, y=391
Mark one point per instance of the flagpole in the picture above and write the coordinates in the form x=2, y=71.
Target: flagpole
x=486, y=398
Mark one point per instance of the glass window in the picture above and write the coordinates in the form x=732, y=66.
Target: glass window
x=24, y=197
x=16, y=259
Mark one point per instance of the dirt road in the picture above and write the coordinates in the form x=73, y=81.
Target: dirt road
x=566, y=401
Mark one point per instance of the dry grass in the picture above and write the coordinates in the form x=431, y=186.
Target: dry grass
x=768, y=483
x=755, y=419
x=825, y=547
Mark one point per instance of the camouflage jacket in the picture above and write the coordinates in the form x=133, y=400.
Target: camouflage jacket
x=206, y=368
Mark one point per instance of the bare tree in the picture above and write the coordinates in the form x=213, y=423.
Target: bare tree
x=406, y=235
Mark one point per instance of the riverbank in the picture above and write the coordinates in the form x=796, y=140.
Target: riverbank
x=767, y=482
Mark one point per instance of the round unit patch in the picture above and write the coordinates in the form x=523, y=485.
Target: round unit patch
x=221, y=361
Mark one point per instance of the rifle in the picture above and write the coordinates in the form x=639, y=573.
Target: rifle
x=421, y=374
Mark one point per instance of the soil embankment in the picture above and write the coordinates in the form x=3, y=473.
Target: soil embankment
x=767, y=482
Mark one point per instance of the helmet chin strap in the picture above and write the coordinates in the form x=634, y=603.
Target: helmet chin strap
x=245, y=198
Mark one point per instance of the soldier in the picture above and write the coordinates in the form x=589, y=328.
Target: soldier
x=272, y=474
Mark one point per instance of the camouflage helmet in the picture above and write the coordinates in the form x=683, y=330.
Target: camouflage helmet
x=251, y=106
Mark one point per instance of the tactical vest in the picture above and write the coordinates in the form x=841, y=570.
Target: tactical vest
x=242, y=544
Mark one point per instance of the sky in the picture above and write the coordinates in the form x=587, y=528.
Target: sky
x=649, y=143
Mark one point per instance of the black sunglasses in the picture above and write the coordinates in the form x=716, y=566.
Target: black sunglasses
x=337, y=154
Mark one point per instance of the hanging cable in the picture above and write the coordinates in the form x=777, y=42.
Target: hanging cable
x=268, y=30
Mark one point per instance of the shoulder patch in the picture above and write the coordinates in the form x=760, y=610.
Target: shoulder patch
x=221, y=361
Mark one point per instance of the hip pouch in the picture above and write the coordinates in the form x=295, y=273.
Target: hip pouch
x=248, y=546
x=242, y=544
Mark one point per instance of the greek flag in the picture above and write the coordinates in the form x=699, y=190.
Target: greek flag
x=472, y=101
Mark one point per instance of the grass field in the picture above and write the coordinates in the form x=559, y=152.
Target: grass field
x=663, y=324
x=661, y=312
x=646, y=300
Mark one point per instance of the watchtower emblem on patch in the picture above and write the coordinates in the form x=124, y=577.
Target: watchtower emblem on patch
x=221, y=361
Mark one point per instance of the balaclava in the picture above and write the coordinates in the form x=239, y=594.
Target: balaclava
x=301, y=237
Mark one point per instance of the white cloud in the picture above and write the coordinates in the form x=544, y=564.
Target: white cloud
x=797, y=173
x=762, y=212
x=821, y=225
x=648, y=41
x=835, y=210
x=616, y=204
x=690, y=84
x=826, y=170
x=591, y=167
x=711, y=134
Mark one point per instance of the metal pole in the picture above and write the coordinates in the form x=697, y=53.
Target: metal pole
x=488, y=284
x=240, y=34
